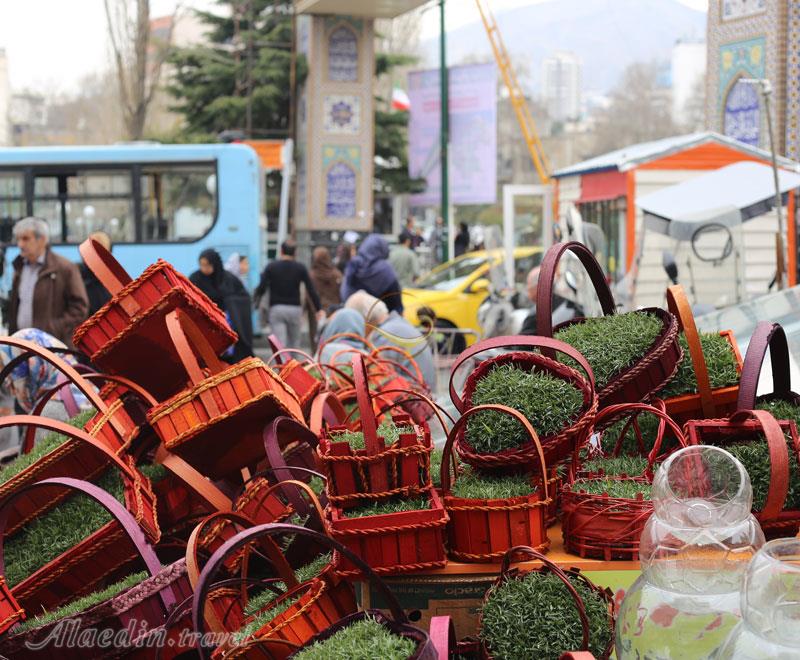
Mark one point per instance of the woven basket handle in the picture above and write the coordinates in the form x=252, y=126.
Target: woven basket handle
x=462, y=421
x=63, y=382
x=118, y=512
x=313, y=507
x=109, y=271
x=325, y=408
x=610, y=413
x=273, y=449
x=443, y=636
x=510, y=342
x=559, y=573
x=778, y=459
x=766, y=336
x=678, y=304
x=182, y=331
x=547, y=275
x=202, y=487
x=205, y=582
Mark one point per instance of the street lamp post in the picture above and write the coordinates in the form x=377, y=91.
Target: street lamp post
x=765, y=87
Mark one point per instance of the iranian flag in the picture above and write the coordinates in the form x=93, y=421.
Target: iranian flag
x=400, y=100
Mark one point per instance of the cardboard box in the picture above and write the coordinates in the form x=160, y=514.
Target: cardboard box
x=458, y=589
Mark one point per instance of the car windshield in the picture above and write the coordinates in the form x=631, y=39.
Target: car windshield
x=452, y=275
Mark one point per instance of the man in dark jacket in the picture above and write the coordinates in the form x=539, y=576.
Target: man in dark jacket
x=47, y=291
x=97, y=293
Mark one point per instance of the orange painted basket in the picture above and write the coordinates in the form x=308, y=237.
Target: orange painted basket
x=127, y=335
x=215, y=424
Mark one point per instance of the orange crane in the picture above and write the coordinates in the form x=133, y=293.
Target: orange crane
x=518, y=102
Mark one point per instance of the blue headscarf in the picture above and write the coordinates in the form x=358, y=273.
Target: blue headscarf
x=369, y=269
x=343, y=321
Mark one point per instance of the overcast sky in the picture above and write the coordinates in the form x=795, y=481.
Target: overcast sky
x=51, y=44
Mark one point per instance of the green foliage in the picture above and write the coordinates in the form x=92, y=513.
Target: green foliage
x=648, y=426
x=549, y=403
x=314, y=568
x=211, y=81
x=625, y=488
x=49, y=535
x=436, y=466
x=82, y=604
x=272, y=610
x=632, y=466
x=317, y=484
x=43, y=447
x=536, y=617
x=153, y=471
x=611, y=343
x=720, y=361
x=472, y=484
x=755, y=458
x=391, y=505
x=387, y=430
x=363, y=640
x=781, y=409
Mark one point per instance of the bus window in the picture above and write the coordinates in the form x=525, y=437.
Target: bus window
x=179, y=202
x=12, y=202
x=47, y=204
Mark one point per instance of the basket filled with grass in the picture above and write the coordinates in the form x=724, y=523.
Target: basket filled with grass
x=782, y=402
x=769, y=449
x=607, y=505
x=557, y=400
x=492, y=511
x=82, y=592
x=632, y=355
x=221, y=403
x=544, y=612
x=363, y=635
x=706, y=384
x=374, y=462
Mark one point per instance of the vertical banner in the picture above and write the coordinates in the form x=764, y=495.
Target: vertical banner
x=473, y=134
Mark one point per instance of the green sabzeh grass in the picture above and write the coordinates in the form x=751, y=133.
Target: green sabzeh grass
x=612, y=343
x=648, y=426
x=632, y=466
x=536, y=617
x=472, y=484
x=720, y=361
x=263, y=618
x=388, y=430
x=363, y=640
x=781, y=409
x=550, y=404
x=622, y=488
x=391, y=505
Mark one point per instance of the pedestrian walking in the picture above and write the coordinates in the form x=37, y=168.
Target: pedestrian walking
x=283, y=278
x=461, y=241
x=410, y=231
x=47, y=291
x=371, y=271
x=227, y=292
x=404, y=261
x=326, y=277
x=238, y=265
x=98, y=295
x=437, y=241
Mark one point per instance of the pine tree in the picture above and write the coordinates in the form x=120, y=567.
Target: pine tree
x=212, y=82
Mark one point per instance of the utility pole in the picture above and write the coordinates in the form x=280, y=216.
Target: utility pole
x=249, y=108
x=765, y=87
x=444, y=131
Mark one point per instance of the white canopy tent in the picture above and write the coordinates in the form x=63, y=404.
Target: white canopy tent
x=728, y=196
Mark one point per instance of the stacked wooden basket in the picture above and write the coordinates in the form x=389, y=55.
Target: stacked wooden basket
x=245, y=500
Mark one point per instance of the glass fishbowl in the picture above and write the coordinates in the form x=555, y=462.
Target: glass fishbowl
x=694, y=552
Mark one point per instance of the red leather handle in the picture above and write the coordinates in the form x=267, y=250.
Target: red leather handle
x=443, y=636
x=325, y=408
x=448, y=445
x=181, y=330
x=766, y=336
x=678, y=304
x=510, y=342
x=276, y=346
x=369, y=426
x=547, y=275
x=105, y=268
x=119, y=512
x=559, y=573
x=778, y=458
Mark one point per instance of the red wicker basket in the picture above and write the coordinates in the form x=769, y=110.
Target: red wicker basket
x=131, y=324
x=767, y=336
x=305, y=619
x=10, y=611
x=296, y=374
x=376, y=471
x=483, y=530
x=556, y=447
x=138, y=608
x=706, y=403
x=749, y=426
x=222, y=404
x=508, y=573
x=604, y=527
x=638, y=381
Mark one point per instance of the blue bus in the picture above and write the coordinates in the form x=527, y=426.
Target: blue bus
x=153, y=200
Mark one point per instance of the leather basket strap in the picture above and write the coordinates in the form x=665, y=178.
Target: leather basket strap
x=109, y=271
x=182, y=330
x=547, y=275
x=766, y=336
x=678, y=304
x=325, y=408
x=273, y=450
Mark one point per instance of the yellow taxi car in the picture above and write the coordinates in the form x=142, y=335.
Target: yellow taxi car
x=455, y=289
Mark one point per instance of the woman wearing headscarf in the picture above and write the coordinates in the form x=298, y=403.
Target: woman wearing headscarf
x=227, y=292
x=344, y=321
x=239, y=266
x=326, y=277
x=371, y=271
